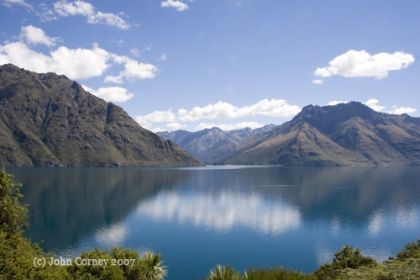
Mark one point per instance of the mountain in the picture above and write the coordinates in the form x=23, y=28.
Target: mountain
x=49, y=120
x=344, y=134
x=213, y=145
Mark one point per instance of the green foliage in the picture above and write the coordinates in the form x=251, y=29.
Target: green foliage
x=275, y=274
x=16, y=260
x=224, y=273
x=100, y=272
x=228, y=273
x=17, y=253
x=12, y=213
x=348, y=257
x=147, y=267
x=411, y=250
x=150, y=267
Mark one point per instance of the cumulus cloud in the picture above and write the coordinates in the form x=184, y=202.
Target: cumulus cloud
x=335, y=102
x=75, y=63
x=133, y=70
x=277, y=108
x=374, y=104
x=156, y=117
x=401, y=110
x=34, y=35
x=80, y=63
x=83, y=8
x=396, y=110
x=264, y=107
x=176, y=4
x=174, y=126
x=355, y=63
x=111, y=94
x=229, y=126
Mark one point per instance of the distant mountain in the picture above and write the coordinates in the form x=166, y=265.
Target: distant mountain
x=215, y=145
x=49, y=120
x=344, y=134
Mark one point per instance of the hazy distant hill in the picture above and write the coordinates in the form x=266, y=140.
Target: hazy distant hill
x=49, y=120
x=214, y=145
x=344, y=134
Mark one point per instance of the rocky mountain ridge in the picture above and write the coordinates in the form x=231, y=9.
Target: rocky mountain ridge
x=50, y=120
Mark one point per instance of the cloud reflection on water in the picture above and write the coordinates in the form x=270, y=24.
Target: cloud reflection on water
x=112, y=236
x=223, y=211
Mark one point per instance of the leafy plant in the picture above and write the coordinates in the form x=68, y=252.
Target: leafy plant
x=224, y=273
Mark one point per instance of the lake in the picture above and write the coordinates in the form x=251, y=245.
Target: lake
x=246, y=217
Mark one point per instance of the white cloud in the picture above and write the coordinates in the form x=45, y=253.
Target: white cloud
x=148, y=120
x=374, y=104
x=264, y=107
x=401, y=110
x=355, y=63
x=111, y=94
x=83, y=8
x=34, y=35
x=336, y=102
x=176, y=4
x=75, y=63
x=229, y=126
x=133, y=70
x=21, y=3
x=80, y=63
x=219, y=111
x=174, y=126
x=318, y=81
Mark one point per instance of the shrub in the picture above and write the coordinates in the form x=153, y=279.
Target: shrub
x=348, y=257
x=224, y=273
x=275, y=274
x=411, y=250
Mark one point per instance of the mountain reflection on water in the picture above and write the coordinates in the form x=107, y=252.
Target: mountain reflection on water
x=256, y=216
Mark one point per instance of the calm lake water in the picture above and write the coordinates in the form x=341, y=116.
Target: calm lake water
x=240, y=216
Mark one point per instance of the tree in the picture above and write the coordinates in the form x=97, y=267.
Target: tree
x=13, y=213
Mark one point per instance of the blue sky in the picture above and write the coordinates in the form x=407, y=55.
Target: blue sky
x=230, y=63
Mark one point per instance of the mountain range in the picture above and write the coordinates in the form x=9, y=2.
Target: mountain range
x=344, y=134
x=50, y=120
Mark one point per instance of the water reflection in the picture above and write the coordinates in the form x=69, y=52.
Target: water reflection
x=68, y=204
x=111, y=236
x=223, y=211
x=293, y=217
